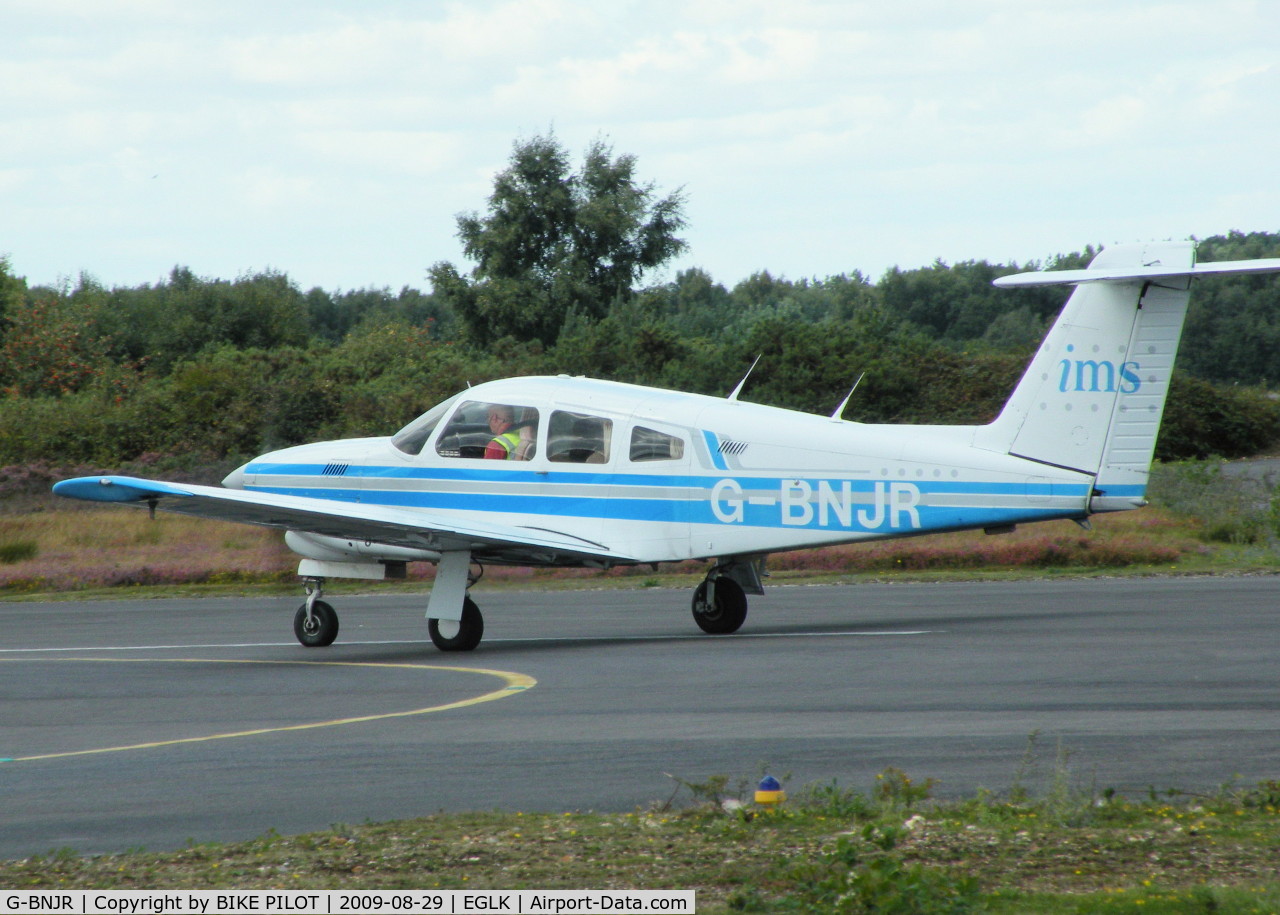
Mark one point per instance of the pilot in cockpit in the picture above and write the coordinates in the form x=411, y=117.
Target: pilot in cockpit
x=512, y=440
x=505, y=439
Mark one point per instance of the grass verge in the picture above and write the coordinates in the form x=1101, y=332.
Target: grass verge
x=828, y=849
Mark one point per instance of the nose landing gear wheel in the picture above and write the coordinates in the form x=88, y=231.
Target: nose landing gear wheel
x=318, y=631
x=460, y=635
x=725, y=613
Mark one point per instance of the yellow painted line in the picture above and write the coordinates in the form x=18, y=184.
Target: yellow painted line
x=514, y=683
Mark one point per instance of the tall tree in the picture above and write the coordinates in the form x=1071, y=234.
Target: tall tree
x=555, y=242
x=12, y=289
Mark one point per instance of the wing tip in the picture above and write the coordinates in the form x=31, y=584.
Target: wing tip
x=115, y=489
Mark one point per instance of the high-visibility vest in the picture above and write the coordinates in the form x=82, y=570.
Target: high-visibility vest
x=508, y=440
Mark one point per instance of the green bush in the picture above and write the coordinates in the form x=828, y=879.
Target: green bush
x=1203, y=420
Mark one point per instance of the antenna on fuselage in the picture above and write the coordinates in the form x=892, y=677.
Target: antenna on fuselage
x=733, y=396
x=844, y=403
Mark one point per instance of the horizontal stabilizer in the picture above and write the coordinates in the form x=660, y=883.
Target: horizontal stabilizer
x=1130, y=274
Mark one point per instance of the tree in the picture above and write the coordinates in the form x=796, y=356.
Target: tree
x=554, y=242
x=12, y=290
x=173, y=320
x=51, y=347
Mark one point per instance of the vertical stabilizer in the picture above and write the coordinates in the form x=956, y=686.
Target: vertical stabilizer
x=1092, y=398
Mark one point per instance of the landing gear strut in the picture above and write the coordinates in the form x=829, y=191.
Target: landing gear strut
x=316, y=622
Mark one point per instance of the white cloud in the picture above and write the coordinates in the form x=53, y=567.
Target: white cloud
x=812, y=137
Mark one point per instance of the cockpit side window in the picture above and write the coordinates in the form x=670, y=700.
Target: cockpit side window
x=501, y=431
x=578, y=438
x=652, y=445
x=414, y=436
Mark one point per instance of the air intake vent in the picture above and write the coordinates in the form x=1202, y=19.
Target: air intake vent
x=334, y=470
x=732, y=448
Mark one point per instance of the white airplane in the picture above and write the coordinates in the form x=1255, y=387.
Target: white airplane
x=601, y=474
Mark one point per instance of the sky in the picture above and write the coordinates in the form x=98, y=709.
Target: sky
x=338, y=141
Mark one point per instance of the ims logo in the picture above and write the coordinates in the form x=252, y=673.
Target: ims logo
x=1097, y=376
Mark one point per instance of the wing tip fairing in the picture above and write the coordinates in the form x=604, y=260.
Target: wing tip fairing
x=116, y=489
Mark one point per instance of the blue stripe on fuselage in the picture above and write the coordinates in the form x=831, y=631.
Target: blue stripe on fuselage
x=758, y=502
x=696, y=482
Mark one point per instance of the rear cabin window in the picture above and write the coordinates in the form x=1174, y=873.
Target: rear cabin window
x=652, y=445
x=501, y=431
x=578, y=438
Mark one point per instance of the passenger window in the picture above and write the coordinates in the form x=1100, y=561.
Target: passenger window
x=652, y=445
x=506, y=432
x=578, y=438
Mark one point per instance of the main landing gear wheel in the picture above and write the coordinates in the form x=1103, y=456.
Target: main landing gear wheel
x=320, y=628
x=726, y=613
x=458, y=635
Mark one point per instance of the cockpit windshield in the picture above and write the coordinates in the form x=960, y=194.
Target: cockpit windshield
x=412, y=437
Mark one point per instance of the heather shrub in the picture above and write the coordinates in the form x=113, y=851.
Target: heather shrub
x=118, y=547
x=33, y=476
x=974, y=551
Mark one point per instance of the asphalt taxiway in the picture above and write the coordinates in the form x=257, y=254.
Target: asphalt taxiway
x=151, y=723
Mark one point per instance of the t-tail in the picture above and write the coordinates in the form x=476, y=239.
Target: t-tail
x=1092, y=398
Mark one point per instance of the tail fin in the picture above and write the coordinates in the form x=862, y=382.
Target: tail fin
x=1092, y=398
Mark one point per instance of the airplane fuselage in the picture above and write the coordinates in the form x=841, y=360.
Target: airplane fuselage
x=680, y=476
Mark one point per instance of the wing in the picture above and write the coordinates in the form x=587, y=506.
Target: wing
x=348, y=520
